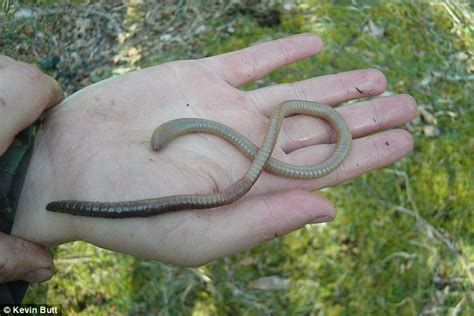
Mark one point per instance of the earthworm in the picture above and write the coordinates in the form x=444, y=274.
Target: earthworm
x=261, y=160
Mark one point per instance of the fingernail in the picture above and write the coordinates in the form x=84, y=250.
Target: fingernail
x=39, y=275
x=322, y=219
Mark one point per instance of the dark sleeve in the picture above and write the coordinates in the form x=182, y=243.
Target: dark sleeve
x=13, y=166
x=13, y=292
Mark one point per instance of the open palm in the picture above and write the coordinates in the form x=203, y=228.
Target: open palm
x=95, y=146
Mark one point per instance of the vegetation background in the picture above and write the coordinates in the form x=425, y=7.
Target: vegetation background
x=403, y=241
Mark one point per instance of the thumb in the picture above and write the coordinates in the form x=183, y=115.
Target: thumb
x=246, y=224
x=276, y=214
x=261, y=218
x=23, y=260
x=26, y=92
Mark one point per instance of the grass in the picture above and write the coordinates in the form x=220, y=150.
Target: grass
x=403, y=241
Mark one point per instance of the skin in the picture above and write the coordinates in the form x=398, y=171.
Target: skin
x=95, y=146
x=24, y=94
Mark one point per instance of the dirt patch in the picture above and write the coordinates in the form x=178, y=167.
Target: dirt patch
x=81, y=44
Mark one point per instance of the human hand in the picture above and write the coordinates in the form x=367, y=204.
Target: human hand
x=96, y=146
x=25, y=93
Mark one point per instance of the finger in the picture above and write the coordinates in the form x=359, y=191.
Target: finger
x=23, y=260
x=249, y=64
x=25, y=92
x=205, y=235
x=363, y=118
x=330, y=89
x=256, y=220
x=367, y=153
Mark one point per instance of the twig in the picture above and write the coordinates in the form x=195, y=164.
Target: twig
x=458, y=308
x=74, y=260
x=401, y=254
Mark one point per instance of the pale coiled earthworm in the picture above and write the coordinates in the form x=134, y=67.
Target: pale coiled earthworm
x=261, y=160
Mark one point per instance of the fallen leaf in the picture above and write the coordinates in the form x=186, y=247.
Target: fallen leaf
x=427, y=116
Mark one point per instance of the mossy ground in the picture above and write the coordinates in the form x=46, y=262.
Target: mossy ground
x=403, y=240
